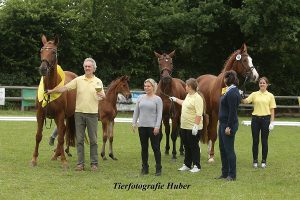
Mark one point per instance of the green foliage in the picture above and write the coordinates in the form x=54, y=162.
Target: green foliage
x=121, y=36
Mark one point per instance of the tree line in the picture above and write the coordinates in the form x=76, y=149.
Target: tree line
x=121, y=35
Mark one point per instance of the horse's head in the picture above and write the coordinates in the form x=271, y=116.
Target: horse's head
x=123, y=87
x=243, y=65
x=48, y=55
x=165, y=66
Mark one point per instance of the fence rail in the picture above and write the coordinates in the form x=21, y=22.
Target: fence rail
x=28, y=97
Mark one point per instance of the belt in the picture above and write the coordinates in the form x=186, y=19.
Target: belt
x=261, y=117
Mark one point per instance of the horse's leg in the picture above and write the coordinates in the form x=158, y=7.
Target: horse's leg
x=67, y=150
x=181, y=149
x=38, y=136
x=111, y=139
x=104, y=139
x=174, y=136
x=61, y=127
x=212, y=128
x=167, y=131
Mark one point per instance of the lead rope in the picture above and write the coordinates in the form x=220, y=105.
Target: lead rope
x=244, y=88
x=172, y=111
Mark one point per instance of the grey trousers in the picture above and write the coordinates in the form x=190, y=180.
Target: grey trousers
x=87, y=121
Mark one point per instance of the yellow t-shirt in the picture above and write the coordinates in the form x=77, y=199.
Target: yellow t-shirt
x=262, y=102
x=86, y=97
x=192, y=106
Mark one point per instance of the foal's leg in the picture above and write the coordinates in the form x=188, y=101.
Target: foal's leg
x=38, y=137
x=104, y=139
x=111, y=139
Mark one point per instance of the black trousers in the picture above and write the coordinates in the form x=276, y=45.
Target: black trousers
x=145, y=133
x=191, y=147
x=260, y=124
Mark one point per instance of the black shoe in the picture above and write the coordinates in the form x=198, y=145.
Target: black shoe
x=221, y=177
x=144, y=171
x=229, y=178
x=158, y=172
x=51, y=141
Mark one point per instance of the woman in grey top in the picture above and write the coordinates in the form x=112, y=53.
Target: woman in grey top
x=148, y=111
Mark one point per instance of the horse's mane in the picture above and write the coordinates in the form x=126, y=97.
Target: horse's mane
x=229, y=60
x=113, y=84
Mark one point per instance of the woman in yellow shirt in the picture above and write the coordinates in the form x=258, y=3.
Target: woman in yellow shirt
x=191, y=125
x=262, y=119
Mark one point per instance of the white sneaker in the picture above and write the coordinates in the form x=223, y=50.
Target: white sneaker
x=195, y=169
x=263, y=165
x=184, y=168
x=255, y=165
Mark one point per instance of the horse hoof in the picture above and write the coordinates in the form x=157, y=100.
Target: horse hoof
x=33, y=163
x=211, y=160
x=182, y=153
x=54, y=158
x=64, y=165
x=112, y=156
x=174, y=157
x=69, y=154
x=167, y=152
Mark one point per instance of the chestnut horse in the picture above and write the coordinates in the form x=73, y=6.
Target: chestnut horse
x=211, y=86
x=167, y=87
x=108, y=111
x=54, y=106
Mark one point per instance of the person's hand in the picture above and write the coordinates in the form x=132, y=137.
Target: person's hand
x=195, y=129
x=133, y=127
x=48, y=92
x=271, y=126
x=242, y=94
x=173, y=99
x=156, y=131
x=227, y=131
x=100, y=95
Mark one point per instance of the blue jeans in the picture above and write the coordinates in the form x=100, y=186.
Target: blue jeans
x=260, y=124
x=226, y=145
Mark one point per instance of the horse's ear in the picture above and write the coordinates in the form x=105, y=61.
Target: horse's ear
x=172, y=54
x=244, y=48
x=44, y=39
x=56, y=40
x=157, y=54
x=125, y=77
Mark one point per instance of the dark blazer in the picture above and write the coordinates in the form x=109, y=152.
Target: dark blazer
x=229, y=103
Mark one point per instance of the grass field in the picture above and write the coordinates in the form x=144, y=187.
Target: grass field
x=280, y=180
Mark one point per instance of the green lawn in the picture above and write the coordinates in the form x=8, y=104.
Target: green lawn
x=18, y=180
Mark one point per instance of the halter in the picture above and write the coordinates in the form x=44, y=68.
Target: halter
x=248, y=74
x=165, y=68
x=49, y=65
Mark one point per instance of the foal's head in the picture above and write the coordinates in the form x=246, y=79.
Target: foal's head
x=123, y=87
x=165, y=66
x=243, y=65
x=48, y=55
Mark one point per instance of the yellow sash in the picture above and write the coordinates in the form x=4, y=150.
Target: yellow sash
x=41, y=92
x=224, y=89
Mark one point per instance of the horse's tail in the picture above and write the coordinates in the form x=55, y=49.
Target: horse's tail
x=70, y=131
x=205, y=118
